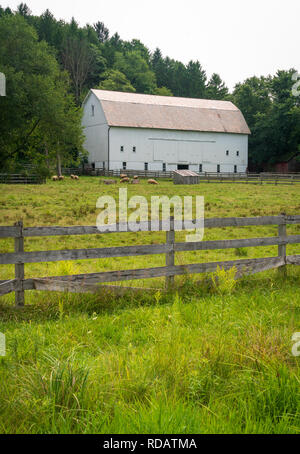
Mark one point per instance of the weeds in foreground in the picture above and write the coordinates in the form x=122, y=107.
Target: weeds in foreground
x=224, y=281
x=187, y=362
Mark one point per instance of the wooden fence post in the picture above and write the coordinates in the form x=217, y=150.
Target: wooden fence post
x=170, y=256
x=19, y=267
x=282, y=248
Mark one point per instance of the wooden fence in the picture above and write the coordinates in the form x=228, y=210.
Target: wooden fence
x=16, y=178
x=131, y=173
x=117, y=173
x=222, y=177
x=87, y=283
x=217, y=177
x=255, y=178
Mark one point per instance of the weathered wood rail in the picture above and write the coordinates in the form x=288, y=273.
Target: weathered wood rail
x=116, y=173
x=7, y=178
x=217, y=177
x=254, y=178
x=250, y=178
x=140, y=173
x=87, y=283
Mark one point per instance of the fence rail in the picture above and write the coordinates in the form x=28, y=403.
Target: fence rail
x=255, y=178
x=117, y=173
x=89, y=282
x=219, y=177
x=140, y=173
x=6, y=178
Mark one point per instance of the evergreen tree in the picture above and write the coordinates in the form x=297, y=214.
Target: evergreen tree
x=101, y=31
x=216, y=88
x=24, y=10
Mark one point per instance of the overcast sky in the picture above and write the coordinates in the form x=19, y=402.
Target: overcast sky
x=235, y=38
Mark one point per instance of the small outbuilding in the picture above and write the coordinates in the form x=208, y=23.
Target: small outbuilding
x=185, y=177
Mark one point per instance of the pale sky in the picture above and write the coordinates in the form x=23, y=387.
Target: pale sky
x=235, y=38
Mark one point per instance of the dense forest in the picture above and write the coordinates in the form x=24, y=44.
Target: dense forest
x=50, y=65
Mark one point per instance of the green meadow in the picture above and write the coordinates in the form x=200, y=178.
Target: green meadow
x=210, y=356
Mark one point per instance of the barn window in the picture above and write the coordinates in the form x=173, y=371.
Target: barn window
x=146, y=166
x=235, y=169
x=164, y=167
x=227, y=152
x=237, y=153
x=200, y=168
x=134, y=149
x=218, y=168
x=93, y=111
x=122, y=148
x=124, y=165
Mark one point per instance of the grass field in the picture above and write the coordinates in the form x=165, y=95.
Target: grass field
x=201, y=359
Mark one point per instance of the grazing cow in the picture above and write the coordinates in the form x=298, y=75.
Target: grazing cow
x=61, y=178
x=55, y=178
x=123, y=176
x=125, y=180
x=152, y=182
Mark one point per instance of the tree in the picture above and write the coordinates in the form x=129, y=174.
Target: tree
x=253, y=96
x=136, y=45
x=196, y=80
x=136, y=70
x=216, y=88
x=163, y=91
x=5, y=12
x=159, y=66
x=65, y=137
x=38, y=107
x=110, y=47
x=114, y=80
x=50, y=30
x=24, y=10
x=101, y=31
x=273, y=115
x=97, y=69
x=178, y=76
x=78, y=60
x=277, y=131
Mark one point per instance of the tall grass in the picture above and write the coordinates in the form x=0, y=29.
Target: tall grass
x=213, y=361
x=211, y=356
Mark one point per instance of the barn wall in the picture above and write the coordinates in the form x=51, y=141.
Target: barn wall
x=177, y=147
x=96, y=132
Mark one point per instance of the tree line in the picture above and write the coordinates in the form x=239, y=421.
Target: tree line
x=51, y=64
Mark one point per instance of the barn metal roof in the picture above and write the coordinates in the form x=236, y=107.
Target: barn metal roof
x=186, y=173
x=167, y=112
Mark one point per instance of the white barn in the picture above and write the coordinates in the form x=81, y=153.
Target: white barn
x=161, y=133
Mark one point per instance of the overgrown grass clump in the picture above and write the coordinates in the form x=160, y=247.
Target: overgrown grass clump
x=209, y=358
